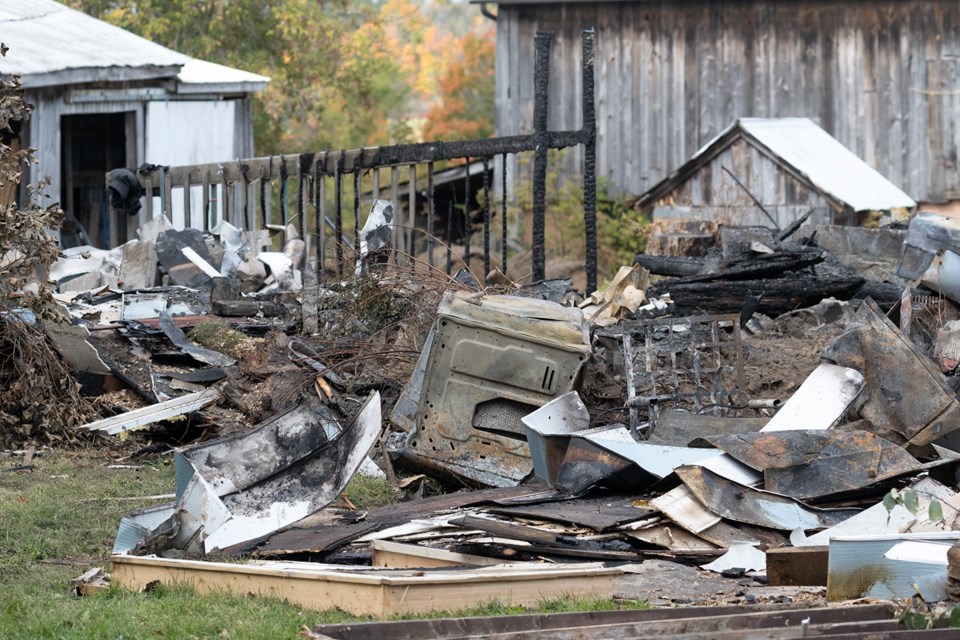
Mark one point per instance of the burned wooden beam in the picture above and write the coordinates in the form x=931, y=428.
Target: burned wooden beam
x=780, y=295
x=674, y=266
x=770, y=265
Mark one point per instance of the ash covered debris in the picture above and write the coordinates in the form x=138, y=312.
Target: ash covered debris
x=768, y=393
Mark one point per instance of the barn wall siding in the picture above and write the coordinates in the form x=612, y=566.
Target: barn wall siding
x=881, y=76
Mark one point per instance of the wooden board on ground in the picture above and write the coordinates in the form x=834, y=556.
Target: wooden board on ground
x=797, y=566
x=372, y=592
x=411, y=556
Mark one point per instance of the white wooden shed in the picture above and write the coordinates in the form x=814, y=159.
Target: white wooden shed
x=105, y=98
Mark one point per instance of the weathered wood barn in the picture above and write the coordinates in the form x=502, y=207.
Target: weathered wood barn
x=105, y=98
x=881, y=76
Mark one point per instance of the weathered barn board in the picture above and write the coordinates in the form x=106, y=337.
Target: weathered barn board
x=712, y=194
x=879, y=76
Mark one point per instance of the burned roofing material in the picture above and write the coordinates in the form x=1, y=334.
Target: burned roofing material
x=806, y=152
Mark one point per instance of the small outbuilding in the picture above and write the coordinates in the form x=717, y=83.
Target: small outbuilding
x=105, y=98
x=772, y=171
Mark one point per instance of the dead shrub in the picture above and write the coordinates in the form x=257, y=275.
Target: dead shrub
x=40, y=402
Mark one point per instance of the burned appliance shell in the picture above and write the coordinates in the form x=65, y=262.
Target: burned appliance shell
x=489, y=361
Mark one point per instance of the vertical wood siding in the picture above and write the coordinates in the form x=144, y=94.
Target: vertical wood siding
x=711, y=194
x=881, y=76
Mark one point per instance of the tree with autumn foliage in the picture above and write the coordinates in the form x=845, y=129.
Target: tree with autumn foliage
x=466, y=106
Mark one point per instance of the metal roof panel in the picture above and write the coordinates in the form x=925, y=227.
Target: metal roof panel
x=826, y=163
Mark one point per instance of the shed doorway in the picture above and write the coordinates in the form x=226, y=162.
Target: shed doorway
x=93, y=144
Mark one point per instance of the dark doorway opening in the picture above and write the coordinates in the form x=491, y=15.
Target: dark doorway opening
x=92, y=145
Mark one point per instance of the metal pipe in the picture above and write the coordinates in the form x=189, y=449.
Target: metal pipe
x=412, y=216
x=486, y=215
x=397, y=226
x=338, y=205
x=764, y=404
x=263, y=201
x=467, y=225
x=449, y=236
x=321, y=217
x=283, y=190
x=245, y=192
x=503, y=215
x=357, y=176
x=430, y=213
x=486, y=12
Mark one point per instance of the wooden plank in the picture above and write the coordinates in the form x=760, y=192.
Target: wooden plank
x=508, y=530
x=797, y=566
x=723, y=624
x=376, y=593
x=411, y=556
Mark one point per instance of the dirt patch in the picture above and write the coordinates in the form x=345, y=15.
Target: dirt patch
x=779, y=359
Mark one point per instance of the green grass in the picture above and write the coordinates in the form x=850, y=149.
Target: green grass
x=60, y=519
x=217, y=335
x=366, y=492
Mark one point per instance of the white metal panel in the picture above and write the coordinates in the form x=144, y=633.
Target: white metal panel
x=191, y=132
x=827, y=163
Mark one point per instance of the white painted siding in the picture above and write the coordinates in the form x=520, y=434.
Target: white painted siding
x=190, y=132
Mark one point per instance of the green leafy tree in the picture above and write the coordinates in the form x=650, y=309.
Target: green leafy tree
x=334, y=82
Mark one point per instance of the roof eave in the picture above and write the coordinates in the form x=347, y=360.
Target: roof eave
x=190, y=88
x=707, y=153
x=85, y=75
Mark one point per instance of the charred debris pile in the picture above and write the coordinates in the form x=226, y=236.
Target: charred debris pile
x=782, y=409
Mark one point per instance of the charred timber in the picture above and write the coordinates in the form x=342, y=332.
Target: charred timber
x=764, y=266
x=673, y=266
x=780, y=295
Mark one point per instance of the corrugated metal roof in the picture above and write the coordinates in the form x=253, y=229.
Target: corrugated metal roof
x=809, y=153
x=52, y=44
x=829, y=165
